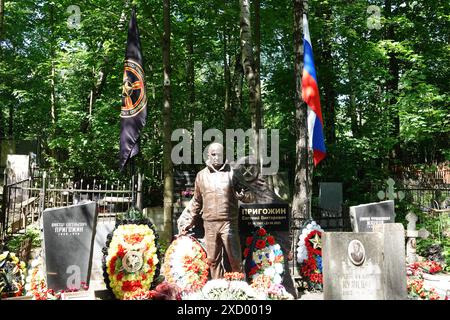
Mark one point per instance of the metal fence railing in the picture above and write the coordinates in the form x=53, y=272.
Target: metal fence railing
x=425, y=198
x=23, y=202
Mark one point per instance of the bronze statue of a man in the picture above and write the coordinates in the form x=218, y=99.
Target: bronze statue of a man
x=216, y=194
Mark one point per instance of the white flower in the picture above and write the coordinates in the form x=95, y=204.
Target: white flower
x=271, y=256
x=278, y=268
x=269, y=272
x=277, y=279
x=215, y=284
x=198, y=295
x=302, y=253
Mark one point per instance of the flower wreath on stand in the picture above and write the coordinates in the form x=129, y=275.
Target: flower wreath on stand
x=309, y=256
x=263, y=256
x=131, y=256
x=12, y=275
x=185, y=264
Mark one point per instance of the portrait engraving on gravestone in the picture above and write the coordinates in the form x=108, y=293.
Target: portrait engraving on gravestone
x=356, y=252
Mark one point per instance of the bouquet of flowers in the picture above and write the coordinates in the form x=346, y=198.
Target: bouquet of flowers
x=185, y=264
x=38, y=287
x=261, y=283
x=12, y=275
x=418, y=268
x=417, y=290
x=430, y=266
x=278, y=292
x=264, y=285
x=130, y=260
x=263, y=256
x=221, y=289
x=163, y=291
x=234, y=276
x=309, y=256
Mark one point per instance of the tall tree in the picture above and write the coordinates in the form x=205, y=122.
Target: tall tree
x=392, y=82
x=257, y=42
x=2, y=9
x=228, y=114
x=167, y=123
x=52, y=75
x=300, y=205
x=190, y=72
x=249, y=70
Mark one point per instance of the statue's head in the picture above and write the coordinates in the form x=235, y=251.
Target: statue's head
x=215, y=155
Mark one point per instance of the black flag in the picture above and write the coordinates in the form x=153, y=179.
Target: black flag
x=133, y=114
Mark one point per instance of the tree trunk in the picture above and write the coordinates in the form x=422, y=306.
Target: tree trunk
x=392, y=86
x=94, y=94
x=258, y=100
x=167, y=123
x=2, y=12
x=236, y=83
x=300, y=201
x=329, y=78
x=52, y=78
x=190, y=74
x=249, y=69
x=227, y=80
x=352, y=111
x=11, y=121
x=2, y=130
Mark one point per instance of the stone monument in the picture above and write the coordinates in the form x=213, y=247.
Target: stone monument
x=69, y=234
x=363, y=217
x=365, y=265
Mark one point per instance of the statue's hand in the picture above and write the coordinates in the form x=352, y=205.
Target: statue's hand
x=241, y=194
x=185, y=230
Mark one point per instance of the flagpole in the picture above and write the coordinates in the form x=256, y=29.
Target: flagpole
x=133, y=194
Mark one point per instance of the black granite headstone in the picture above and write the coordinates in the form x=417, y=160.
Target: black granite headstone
x=365, y=216
x=69, y=234
x=271, y=216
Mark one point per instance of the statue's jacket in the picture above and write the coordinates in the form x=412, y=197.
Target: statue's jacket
x=215, y=193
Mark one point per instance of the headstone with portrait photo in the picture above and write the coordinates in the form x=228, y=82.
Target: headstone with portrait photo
x=365, y=265
x=69, y=234
x=363, y=217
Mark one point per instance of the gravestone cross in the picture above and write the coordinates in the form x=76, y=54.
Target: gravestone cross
x=390, y=192
x=412, y=234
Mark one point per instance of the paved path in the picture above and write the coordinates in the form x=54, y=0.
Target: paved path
x=440, y=282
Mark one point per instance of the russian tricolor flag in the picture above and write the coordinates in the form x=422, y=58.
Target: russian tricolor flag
x=310, y=94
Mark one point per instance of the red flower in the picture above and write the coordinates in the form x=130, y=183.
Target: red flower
x=120, y=276
x=121, y=251
x=133, y=238
x=246, y=252
x=260, y=244
x=253, y=270
x=262, y=232
x=271, y=240
x=249, y=241
x=112, y=264
x=150, y=262
x=131, y=285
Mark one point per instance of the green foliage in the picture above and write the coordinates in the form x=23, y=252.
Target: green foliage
x=353, y=62
x=13, y=244
x=439, y=227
